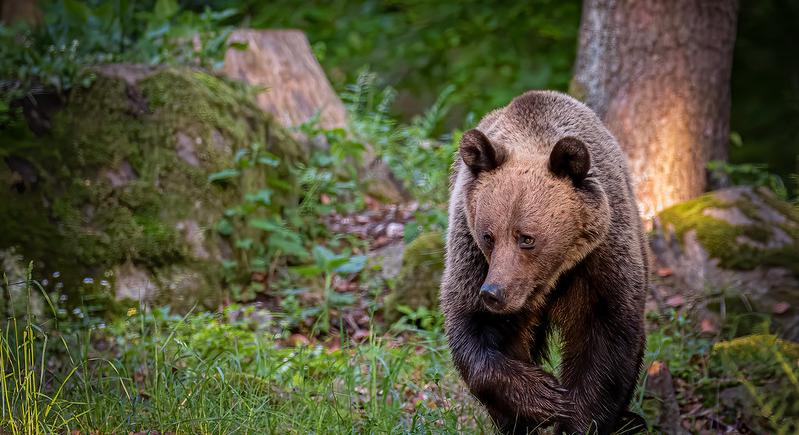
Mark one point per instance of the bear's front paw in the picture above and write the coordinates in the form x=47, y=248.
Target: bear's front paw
x=552, y=400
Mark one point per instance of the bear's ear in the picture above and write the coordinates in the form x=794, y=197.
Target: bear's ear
x=479, y=153
x=570, y=158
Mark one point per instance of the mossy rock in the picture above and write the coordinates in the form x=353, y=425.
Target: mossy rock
x=741, y=227
x=419, y=278
x=119, y=185
x=736, y=244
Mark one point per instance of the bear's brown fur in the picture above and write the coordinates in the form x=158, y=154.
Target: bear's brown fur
x=544, y=232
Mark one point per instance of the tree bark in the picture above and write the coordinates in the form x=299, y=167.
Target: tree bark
x=658, y=74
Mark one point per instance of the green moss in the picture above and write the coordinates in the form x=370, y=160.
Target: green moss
x=74, y=220
x=420, y=276
x=758, y=355
x=744, y=347
x=789, y=211
x=760, y=378
x=720, y=238
x=716, y=235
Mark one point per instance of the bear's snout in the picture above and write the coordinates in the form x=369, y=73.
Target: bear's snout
x=493, y=296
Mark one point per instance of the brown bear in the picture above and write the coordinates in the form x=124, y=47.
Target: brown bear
x=544, y=232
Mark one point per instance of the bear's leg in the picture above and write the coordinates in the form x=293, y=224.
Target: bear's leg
x=492, y=353
x=519, y=395
x=603, y=342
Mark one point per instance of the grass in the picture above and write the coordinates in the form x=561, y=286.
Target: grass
x=236, y=372
x=213, y=373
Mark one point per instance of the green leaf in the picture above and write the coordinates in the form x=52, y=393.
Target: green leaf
x=335, y=263
x=354, y=264
x=240, y=154
x=223, y=175
x=245, y=244
x=263, y=196
x=283, y=185
x=288, y=243
x=77, y=11
x=224, y=227
x=164, y=9
x=323, y=255
x=259, y=264
x=269, y=225
x=238, y=45
x=309, y=270
x=735, y=139
x=410, y=231
x=341, y=299
x=268, y=159
x=220, y=15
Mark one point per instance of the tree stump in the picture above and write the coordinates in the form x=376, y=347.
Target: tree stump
x=297, y=90
x=283, y=62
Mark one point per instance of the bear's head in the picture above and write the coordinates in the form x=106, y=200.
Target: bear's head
x=533, y=217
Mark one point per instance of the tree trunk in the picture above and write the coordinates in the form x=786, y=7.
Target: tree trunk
x=15, y=11
x=658, y=74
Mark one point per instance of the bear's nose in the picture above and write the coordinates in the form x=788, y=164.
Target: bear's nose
x=491, y=294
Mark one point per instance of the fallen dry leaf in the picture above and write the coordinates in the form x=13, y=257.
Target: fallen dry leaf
x=664, y=272
x=298, y=339
x=371, y=203
x=258, y=277
x=656, y=368
x=709, y=326
x=780, y=308
x=675, y=301
x=360, y=335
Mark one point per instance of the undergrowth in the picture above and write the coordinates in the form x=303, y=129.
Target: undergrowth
x=54, y=56
x=224, y=373
x=235, y=371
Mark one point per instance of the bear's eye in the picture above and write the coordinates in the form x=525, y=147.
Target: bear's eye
x=488, y=238
x=526, y=242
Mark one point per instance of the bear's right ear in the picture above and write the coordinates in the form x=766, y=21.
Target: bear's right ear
x=479, y=153
x=570, y=158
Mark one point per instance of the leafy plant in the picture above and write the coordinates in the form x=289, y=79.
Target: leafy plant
x=749, y=174
x=256, y=225
x=328, y=264
x=266, y=234
x=220, y=373
x=764, y=366
x=422, y=317
x=412, y=152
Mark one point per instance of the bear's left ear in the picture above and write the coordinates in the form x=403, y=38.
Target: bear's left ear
x=570, y=158
x=479, y=153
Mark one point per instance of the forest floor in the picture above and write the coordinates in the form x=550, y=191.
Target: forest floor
x=269, y=367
